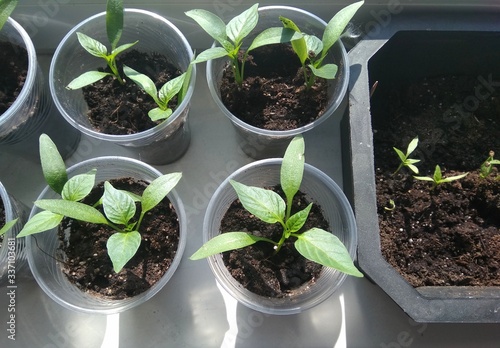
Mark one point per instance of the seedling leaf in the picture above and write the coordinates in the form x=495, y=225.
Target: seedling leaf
x=74, y=210
x=240, y=26
x=326, y=249
x=6, y=9
x=114, y=21
x=159, y=189
x=87, y=78
x=292, y=168
x=327, y=71
x=92, y=46
x=7, y=226
x=40, y=222
x=122, y=246
x=273, y=36
x=297, y=220
x=211, y=23
x=118, y=206
x=79, y=186
x=53, y=167
x=264, y=204
x=225, y=242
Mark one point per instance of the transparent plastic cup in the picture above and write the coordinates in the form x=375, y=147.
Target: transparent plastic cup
x=13, y=250
x=261, y=143
x=319, y=189
x=161, y=144
x=32, y=114
x=42, y=253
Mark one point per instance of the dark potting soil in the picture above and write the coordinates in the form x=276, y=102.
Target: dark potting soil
x=123, y=109
x=273, y=95
x=449, y=235
x=13, y=72
x=87, y=263
x=256, y=267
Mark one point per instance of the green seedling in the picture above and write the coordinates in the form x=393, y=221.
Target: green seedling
x=114, y=29
x=315, y=244
x=119, y=206
x=6, y=9
x=392, y=205
x=312, y=50
x=7, y=226
x=405, y=161
x=162, y=97
x=487, y=166
x=438, y=179
x=231, y=36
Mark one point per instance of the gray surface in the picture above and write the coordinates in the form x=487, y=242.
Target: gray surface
x=191, y=310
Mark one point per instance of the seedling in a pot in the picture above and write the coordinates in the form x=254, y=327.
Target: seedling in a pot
x=119, y=206
x=404, y=157
x=438, y=179
x=231, y=36
x=314, y=244
x=487, y=166
x=114, y=29
x=6, y=9
x=312, y=51
x=162, y=97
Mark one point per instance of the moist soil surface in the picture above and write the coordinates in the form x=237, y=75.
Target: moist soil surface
x=87, y=263
x=256, y=267
x=448, y=235
x=121, y=109
x=13, y=72
x=273, y=95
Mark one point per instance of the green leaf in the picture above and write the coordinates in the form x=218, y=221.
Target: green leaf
x=424, y=178
x=143, y=81
x=314, y=44
x=6, y=9
x=413, y=168
x=412, y=146
x=337, y=24
x=40, y=222
x=292, y=168
x=400, y=153
x=7, y=226
x=211, y=23
x=74, y=210
x=122, y=48
x=171, y=88
x=185, y=84
x=118, y=206
x=264, y=204
x=114, y=21
x=53, y=167
x=273, y=36
x=240, y=26
x=326, y=249
x=86, y=79
x=453, y=178
x=299, y=45
x=92, y=46
x=157, y=114
x=210, y=53
x=122, y=246
x=297, y=220
x=79, y=186
x=158, y=189
x=437, y=174
x=327, y=71
x=225, y=242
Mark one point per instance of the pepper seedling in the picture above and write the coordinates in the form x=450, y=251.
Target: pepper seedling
x=313, y=50
x=487, y=166
x=169, y=90
x=438, y=179
x=405, y=161
x=6, y=9
x=114, y=29
x=231, y=36
x=119, y=206
x=315, y=244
